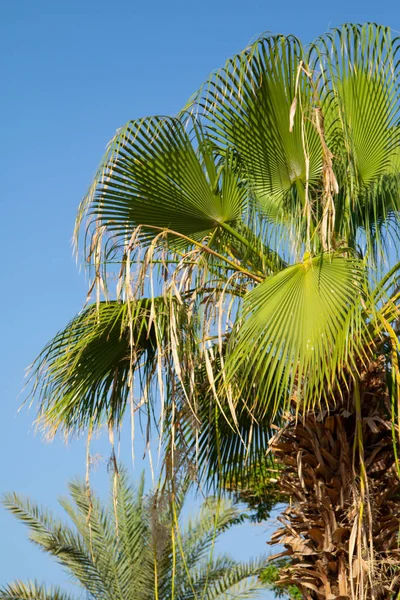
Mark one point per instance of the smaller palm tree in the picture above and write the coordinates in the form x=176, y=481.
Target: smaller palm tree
x=135, y=548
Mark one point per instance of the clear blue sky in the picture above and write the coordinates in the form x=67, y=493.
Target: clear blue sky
x=71, y=74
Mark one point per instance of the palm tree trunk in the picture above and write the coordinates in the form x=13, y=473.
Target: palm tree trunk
x=341, y=528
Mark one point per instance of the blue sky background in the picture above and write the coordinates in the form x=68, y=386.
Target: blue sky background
x=71, y=74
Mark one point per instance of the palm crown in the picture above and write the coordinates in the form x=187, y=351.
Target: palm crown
x=133, y=548
x=250, y=239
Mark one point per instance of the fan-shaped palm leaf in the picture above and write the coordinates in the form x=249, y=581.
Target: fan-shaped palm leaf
x=248, y=107
x=298, y=329
x=89, y=366
x=359, y=97
x=359, y=68
x=160, y=173
x=318, y=129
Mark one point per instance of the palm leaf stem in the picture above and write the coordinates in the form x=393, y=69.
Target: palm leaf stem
x=208, y=250
x=250, y=246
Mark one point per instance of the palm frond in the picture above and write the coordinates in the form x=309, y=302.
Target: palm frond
x=199, y=533
x=239, y=581
x=358, y=66
x=114, y=551
x=359, y=75
x=59, y=541
x=85, y=374
x=160, y=173
x=295, y=332
x=247, y=106
x=32, y=591
x=225, y=449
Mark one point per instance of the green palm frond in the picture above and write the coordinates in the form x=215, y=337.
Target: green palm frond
x=239, y=581
x=59, y=540
x=98, y=536
x=199, y=533
x=223, y=442
x=40, y=521
x=130, y=518
x=89, y=366
x=224, y=448
x=316, y=131
x=247, y=106
x=32, y=591
x=359, y=67
x=115, y=551
x=213, y=575
x=359, y=75
x=162, y=173
x=298, y=329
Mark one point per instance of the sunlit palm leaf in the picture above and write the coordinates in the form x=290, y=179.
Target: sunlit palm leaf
x=360, y=68
x=298, y=328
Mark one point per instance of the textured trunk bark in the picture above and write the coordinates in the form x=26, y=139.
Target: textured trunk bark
x=341, y=528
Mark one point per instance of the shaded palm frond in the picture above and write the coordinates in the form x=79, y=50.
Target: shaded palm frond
x=85, y=374
x=232, y=581
x=247, y=106
x=225, y=439
x=359, y=76
x=162, y=173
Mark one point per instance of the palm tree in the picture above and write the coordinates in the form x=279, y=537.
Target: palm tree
x=132, y=549
x=253, y=241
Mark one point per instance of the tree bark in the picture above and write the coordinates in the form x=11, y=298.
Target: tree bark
x=341, y=528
